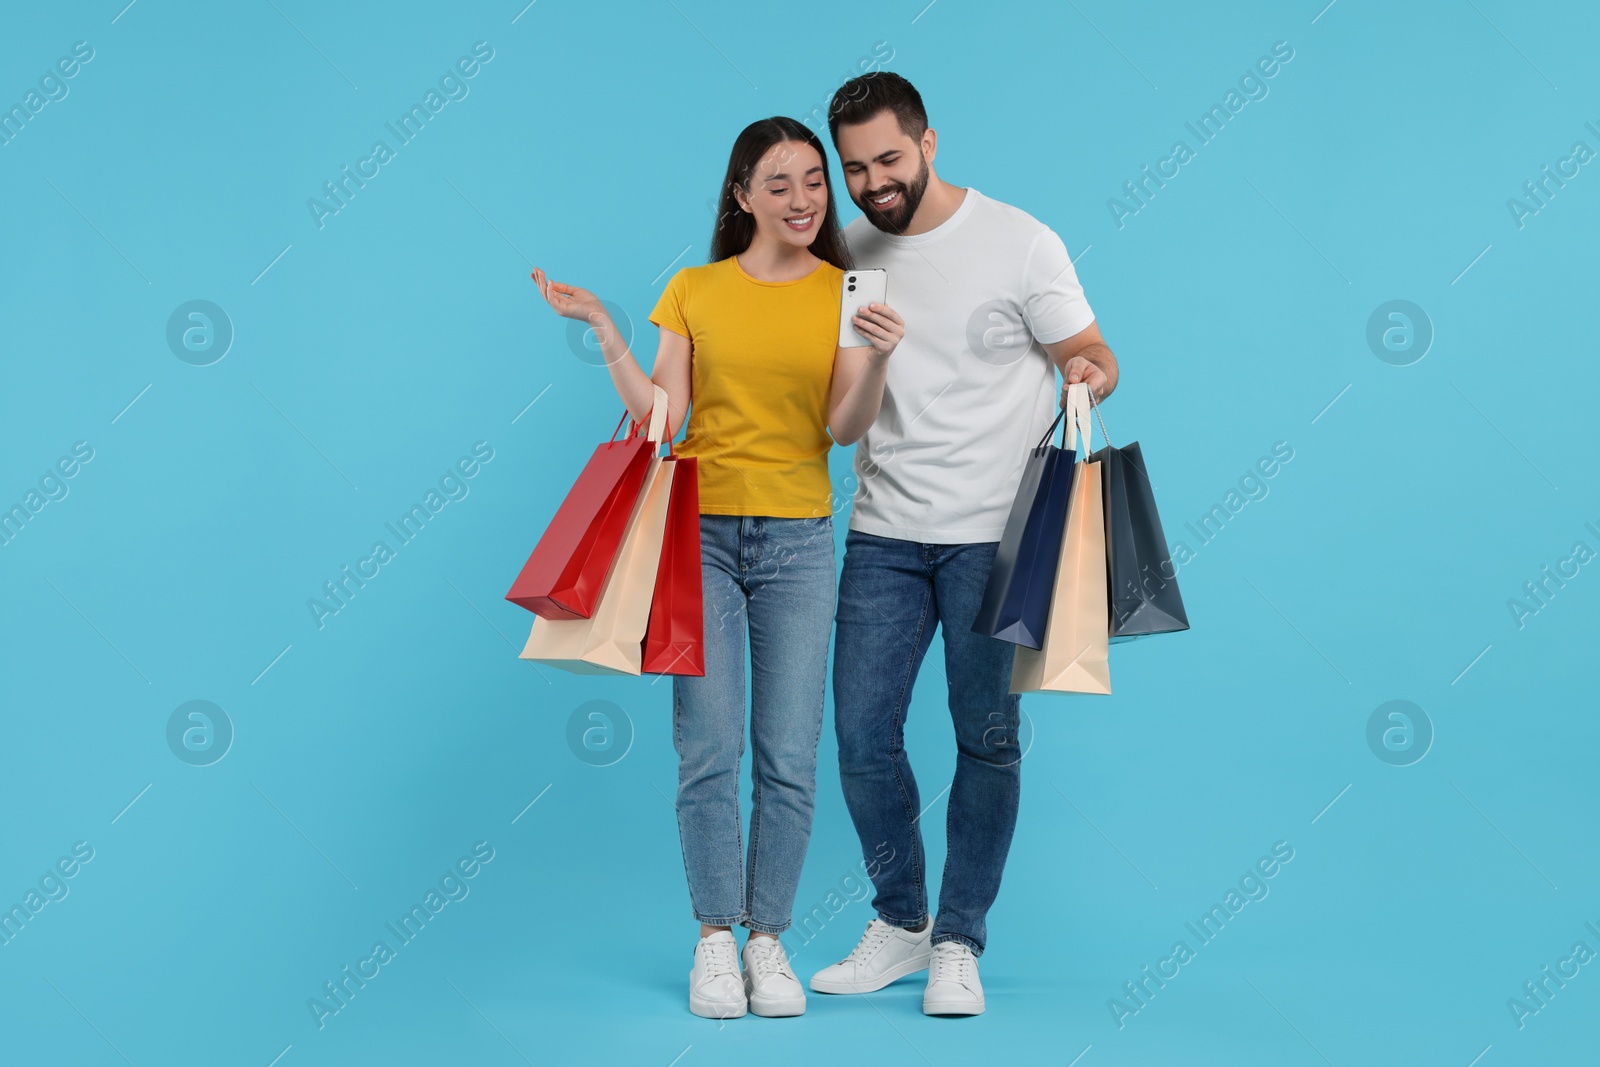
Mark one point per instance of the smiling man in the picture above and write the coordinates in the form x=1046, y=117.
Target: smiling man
x=993, y=309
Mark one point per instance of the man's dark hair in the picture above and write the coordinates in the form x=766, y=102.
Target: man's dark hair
x=860, y=99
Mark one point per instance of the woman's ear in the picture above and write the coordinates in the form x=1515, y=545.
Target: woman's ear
x=741, y=199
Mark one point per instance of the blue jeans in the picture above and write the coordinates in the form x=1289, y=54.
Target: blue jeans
x=776, y=575
x=892, y=594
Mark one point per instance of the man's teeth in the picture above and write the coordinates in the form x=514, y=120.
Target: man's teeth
x=885, y=198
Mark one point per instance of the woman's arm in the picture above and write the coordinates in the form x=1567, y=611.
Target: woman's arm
x=859, y=373
x=673, y=354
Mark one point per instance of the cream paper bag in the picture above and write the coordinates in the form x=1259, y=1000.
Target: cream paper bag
x=1074, y=655
x=611, y=641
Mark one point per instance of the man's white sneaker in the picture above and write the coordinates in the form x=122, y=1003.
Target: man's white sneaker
x=715, y=989
x=953, y=986
x=883, y=954
x=769, y=983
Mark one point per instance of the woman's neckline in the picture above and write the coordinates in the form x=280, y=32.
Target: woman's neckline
x=761, y=281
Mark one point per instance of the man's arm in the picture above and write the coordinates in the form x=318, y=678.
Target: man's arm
x=1084, y=357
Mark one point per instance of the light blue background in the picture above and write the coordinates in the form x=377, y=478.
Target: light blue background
x=370, y=754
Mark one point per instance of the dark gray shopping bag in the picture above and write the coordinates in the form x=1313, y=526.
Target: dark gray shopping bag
x=1141, y=579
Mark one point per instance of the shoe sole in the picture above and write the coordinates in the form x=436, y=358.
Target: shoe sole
x=707, y=1009
x=894, y=974
x=949, y=1007
x=778, y=1009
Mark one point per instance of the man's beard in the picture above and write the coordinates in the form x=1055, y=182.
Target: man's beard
x=897, y=218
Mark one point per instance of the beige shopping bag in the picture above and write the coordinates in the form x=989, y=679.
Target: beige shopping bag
x=1074, y=655
x=611, y=641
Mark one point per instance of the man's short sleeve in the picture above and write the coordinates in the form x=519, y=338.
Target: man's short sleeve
x=1052, y=301
x=670, y=310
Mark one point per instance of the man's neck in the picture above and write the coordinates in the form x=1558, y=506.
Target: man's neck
x=939, y=202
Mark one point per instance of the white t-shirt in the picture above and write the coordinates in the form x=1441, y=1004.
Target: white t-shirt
x=969, y=389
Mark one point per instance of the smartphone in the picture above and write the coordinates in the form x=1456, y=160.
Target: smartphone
x=861, y=287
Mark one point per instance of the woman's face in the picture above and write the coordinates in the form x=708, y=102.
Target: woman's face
x=788, y=194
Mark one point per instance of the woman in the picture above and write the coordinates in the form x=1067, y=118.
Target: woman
x=749, y=349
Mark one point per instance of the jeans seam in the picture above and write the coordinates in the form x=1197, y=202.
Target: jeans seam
x=901, y=709
x=755, y=827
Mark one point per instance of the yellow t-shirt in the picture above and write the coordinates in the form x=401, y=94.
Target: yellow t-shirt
x=761, y=369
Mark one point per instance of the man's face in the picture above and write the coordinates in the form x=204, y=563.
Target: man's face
x=885, y=170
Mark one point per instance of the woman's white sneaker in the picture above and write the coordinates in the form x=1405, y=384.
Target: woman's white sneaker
x=883, y=954
x=715, y=988
x=769, y=983
x=953, y=986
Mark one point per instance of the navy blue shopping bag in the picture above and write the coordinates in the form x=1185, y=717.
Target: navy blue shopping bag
x=1016, y=602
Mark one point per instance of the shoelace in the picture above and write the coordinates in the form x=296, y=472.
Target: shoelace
x=719, y=959
x=877, y=933
x=951, y=964
x=769, y=960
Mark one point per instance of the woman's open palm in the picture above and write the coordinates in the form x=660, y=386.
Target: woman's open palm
x=568, y=301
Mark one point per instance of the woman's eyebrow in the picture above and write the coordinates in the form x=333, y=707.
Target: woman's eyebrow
x=781, y=176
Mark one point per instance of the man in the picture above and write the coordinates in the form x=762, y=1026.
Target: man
x=992, y=309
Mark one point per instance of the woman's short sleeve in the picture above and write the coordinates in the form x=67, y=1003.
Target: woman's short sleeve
x=671, y=310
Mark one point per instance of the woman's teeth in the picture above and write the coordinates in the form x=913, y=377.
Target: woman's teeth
x=801, y=222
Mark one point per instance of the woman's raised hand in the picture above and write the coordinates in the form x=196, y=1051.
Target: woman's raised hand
x=879, y=324
x=569, y=301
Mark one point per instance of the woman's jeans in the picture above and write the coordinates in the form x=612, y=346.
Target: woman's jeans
x=776, y=578
x=892, y=594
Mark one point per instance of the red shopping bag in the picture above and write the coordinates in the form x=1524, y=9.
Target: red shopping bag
x=563, y=577
x=675, y=643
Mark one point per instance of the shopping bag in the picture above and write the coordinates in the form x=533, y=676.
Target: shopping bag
x=611, y=641
x=674, y=642
x=1016, y=599
x=563, y=577
x=1073, y=658
x=1142, y=582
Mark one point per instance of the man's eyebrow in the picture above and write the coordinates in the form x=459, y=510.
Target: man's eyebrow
x=879, y=158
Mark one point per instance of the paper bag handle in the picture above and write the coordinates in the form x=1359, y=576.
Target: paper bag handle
x=658, y=419
x=1099, y=418
x=1051, y=430
x=1078, y=403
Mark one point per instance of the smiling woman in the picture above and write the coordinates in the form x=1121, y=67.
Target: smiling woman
x=749, y=359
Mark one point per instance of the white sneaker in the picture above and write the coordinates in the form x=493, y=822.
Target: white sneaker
x=769, y=983
x=883, y=954
x=715, y=990
x=953, y=986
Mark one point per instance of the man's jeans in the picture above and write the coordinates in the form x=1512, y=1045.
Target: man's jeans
x=892, y=594
x=777, y=575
